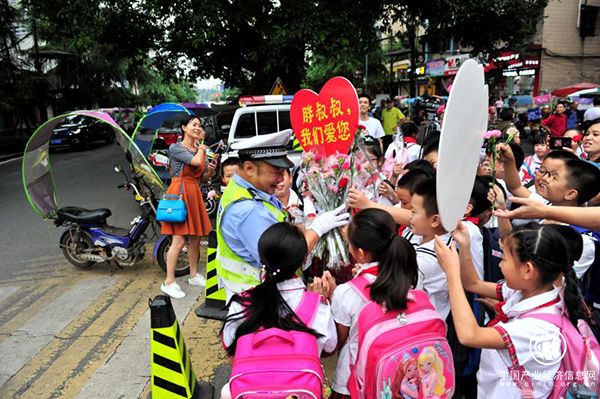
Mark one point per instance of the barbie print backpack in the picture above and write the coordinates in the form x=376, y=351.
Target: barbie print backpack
x=402, y=354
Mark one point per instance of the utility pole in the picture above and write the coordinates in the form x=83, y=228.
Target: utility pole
x=413, y=60
x=366, y=81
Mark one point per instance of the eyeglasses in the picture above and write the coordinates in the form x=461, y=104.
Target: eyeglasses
x=551, y=174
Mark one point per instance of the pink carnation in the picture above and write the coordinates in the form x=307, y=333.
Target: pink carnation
x=318, y=157
x=492, y=133
x=346, y=165
x=333, y=188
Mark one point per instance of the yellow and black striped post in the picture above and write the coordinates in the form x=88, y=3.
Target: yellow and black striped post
x=172, y=373
x=214, y=301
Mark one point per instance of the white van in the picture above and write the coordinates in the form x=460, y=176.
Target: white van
x=261, y=115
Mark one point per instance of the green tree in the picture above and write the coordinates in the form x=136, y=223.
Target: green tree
x=103, y=45
x=248, y=44
x=484, y=26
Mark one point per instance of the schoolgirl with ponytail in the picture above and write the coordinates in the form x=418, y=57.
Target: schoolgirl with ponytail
x=282, y=249
x=537, y=259
x=389, y=262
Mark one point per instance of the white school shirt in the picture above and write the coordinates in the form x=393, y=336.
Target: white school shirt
x=530, y=166
x=587, y=256
x=414, y=239
x=346, y=305
x=432, y=278
x=412, y=152
x=292, y=291
x=493, y=378
x=476, y=246
x=373, y=127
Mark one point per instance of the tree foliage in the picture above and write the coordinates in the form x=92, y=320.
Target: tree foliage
x=484, y=26
x=249, y=43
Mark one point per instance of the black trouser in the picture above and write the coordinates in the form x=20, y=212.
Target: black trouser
x=387, y=140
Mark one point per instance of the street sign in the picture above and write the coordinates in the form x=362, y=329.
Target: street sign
x=278, y=88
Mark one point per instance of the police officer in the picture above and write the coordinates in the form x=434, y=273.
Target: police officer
x=249, y=206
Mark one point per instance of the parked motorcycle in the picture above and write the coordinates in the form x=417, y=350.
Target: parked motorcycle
x=89, y=239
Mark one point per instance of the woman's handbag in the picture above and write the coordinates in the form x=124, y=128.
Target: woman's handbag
x=171, y=208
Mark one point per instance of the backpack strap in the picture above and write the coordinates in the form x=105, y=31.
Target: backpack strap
x=516, y=372
x=308, y=307
x=360, y=286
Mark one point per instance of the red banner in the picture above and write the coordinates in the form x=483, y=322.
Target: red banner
x=325, y=123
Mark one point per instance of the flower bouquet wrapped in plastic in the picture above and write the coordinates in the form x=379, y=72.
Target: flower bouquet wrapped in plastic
x=327, y=180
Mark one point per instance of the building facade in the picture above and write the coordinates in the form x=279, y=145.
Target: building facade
x=567, y=57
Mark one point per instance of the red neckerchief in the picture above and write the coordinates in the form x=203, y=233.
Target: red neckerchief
x=473, y=220
x=410, y=140
x=401, y=229
x=370, y=270
x=503, y=317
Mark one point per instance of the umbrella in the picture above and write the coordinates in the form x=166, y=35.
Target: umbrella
x=565, y=91
x=590, y=94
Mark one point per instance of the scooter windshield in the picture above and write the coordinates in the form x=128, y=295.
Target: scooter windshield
x=36, y=172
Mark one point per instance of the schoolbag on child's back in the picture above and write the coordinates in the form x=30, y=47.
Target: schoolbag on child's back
x=402, y=353
x=580, y=362
x=276, y=364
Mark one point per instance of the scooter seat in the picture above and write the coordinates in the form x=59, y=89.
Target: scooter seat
x=81, y=215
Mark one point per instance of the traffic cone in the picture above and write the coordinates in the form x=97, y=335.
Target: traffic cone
x=172, y=374
x=214, y=299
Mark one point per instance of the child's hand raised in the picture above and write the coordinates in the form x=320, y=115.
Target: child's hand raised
x=324, y=285
x=461, y=235
x=447, y=256
x=357, y=199
x=388, y=192
x=495, y=195
x=505, y=153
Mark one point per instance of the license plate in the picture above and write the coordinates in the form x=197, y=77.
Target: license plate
x=55, y=141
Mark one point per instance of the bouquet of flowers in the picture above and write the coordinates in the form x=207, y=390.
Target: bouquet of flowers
x=327, y=180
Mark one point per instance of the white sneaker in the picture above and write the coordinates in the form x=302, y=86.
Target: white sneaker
x=198, y=280
x=173, y=290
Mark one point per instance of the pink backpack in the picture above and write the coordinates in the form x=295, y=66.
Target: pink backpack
x=580, y=364
x=401, y=353
x=277, y=364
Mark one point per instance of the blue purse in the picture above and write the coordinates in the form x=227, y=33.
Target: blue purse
x=171, y=208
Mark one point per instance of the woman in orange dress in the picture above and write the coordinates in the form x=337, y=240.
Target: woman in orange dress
x=187, y=159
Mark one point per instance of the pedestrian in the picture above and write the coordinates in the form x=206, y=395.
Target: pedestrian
x=557, y=122
x=372, y=126
x=591, y=142
x=187, y=162
x=594, y=112
x=391, y=118
x=277, y=302
x=572, y=115
x=534, y=258
x=249, y=206
x=389, y=264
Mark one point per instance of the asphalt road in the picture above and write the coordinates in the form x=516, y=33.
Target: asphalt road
x=82, y=178
x=66, y=332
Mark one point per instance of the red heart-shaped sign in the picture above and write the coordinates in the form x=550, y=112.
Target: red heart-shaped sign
x=325, y=123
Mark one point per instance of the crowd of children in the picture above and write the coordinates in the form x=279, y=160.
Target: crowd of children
x=494, y=282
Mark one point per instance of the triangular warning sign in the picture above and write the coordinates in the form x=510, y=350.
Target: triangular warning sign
x=278, y=88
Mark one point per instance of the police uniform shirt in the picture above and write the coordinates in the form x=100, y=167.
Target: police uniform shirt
x=245, y=221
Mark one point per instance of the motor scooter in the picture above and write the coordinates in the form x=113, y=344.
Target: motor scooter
x=89, y=240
